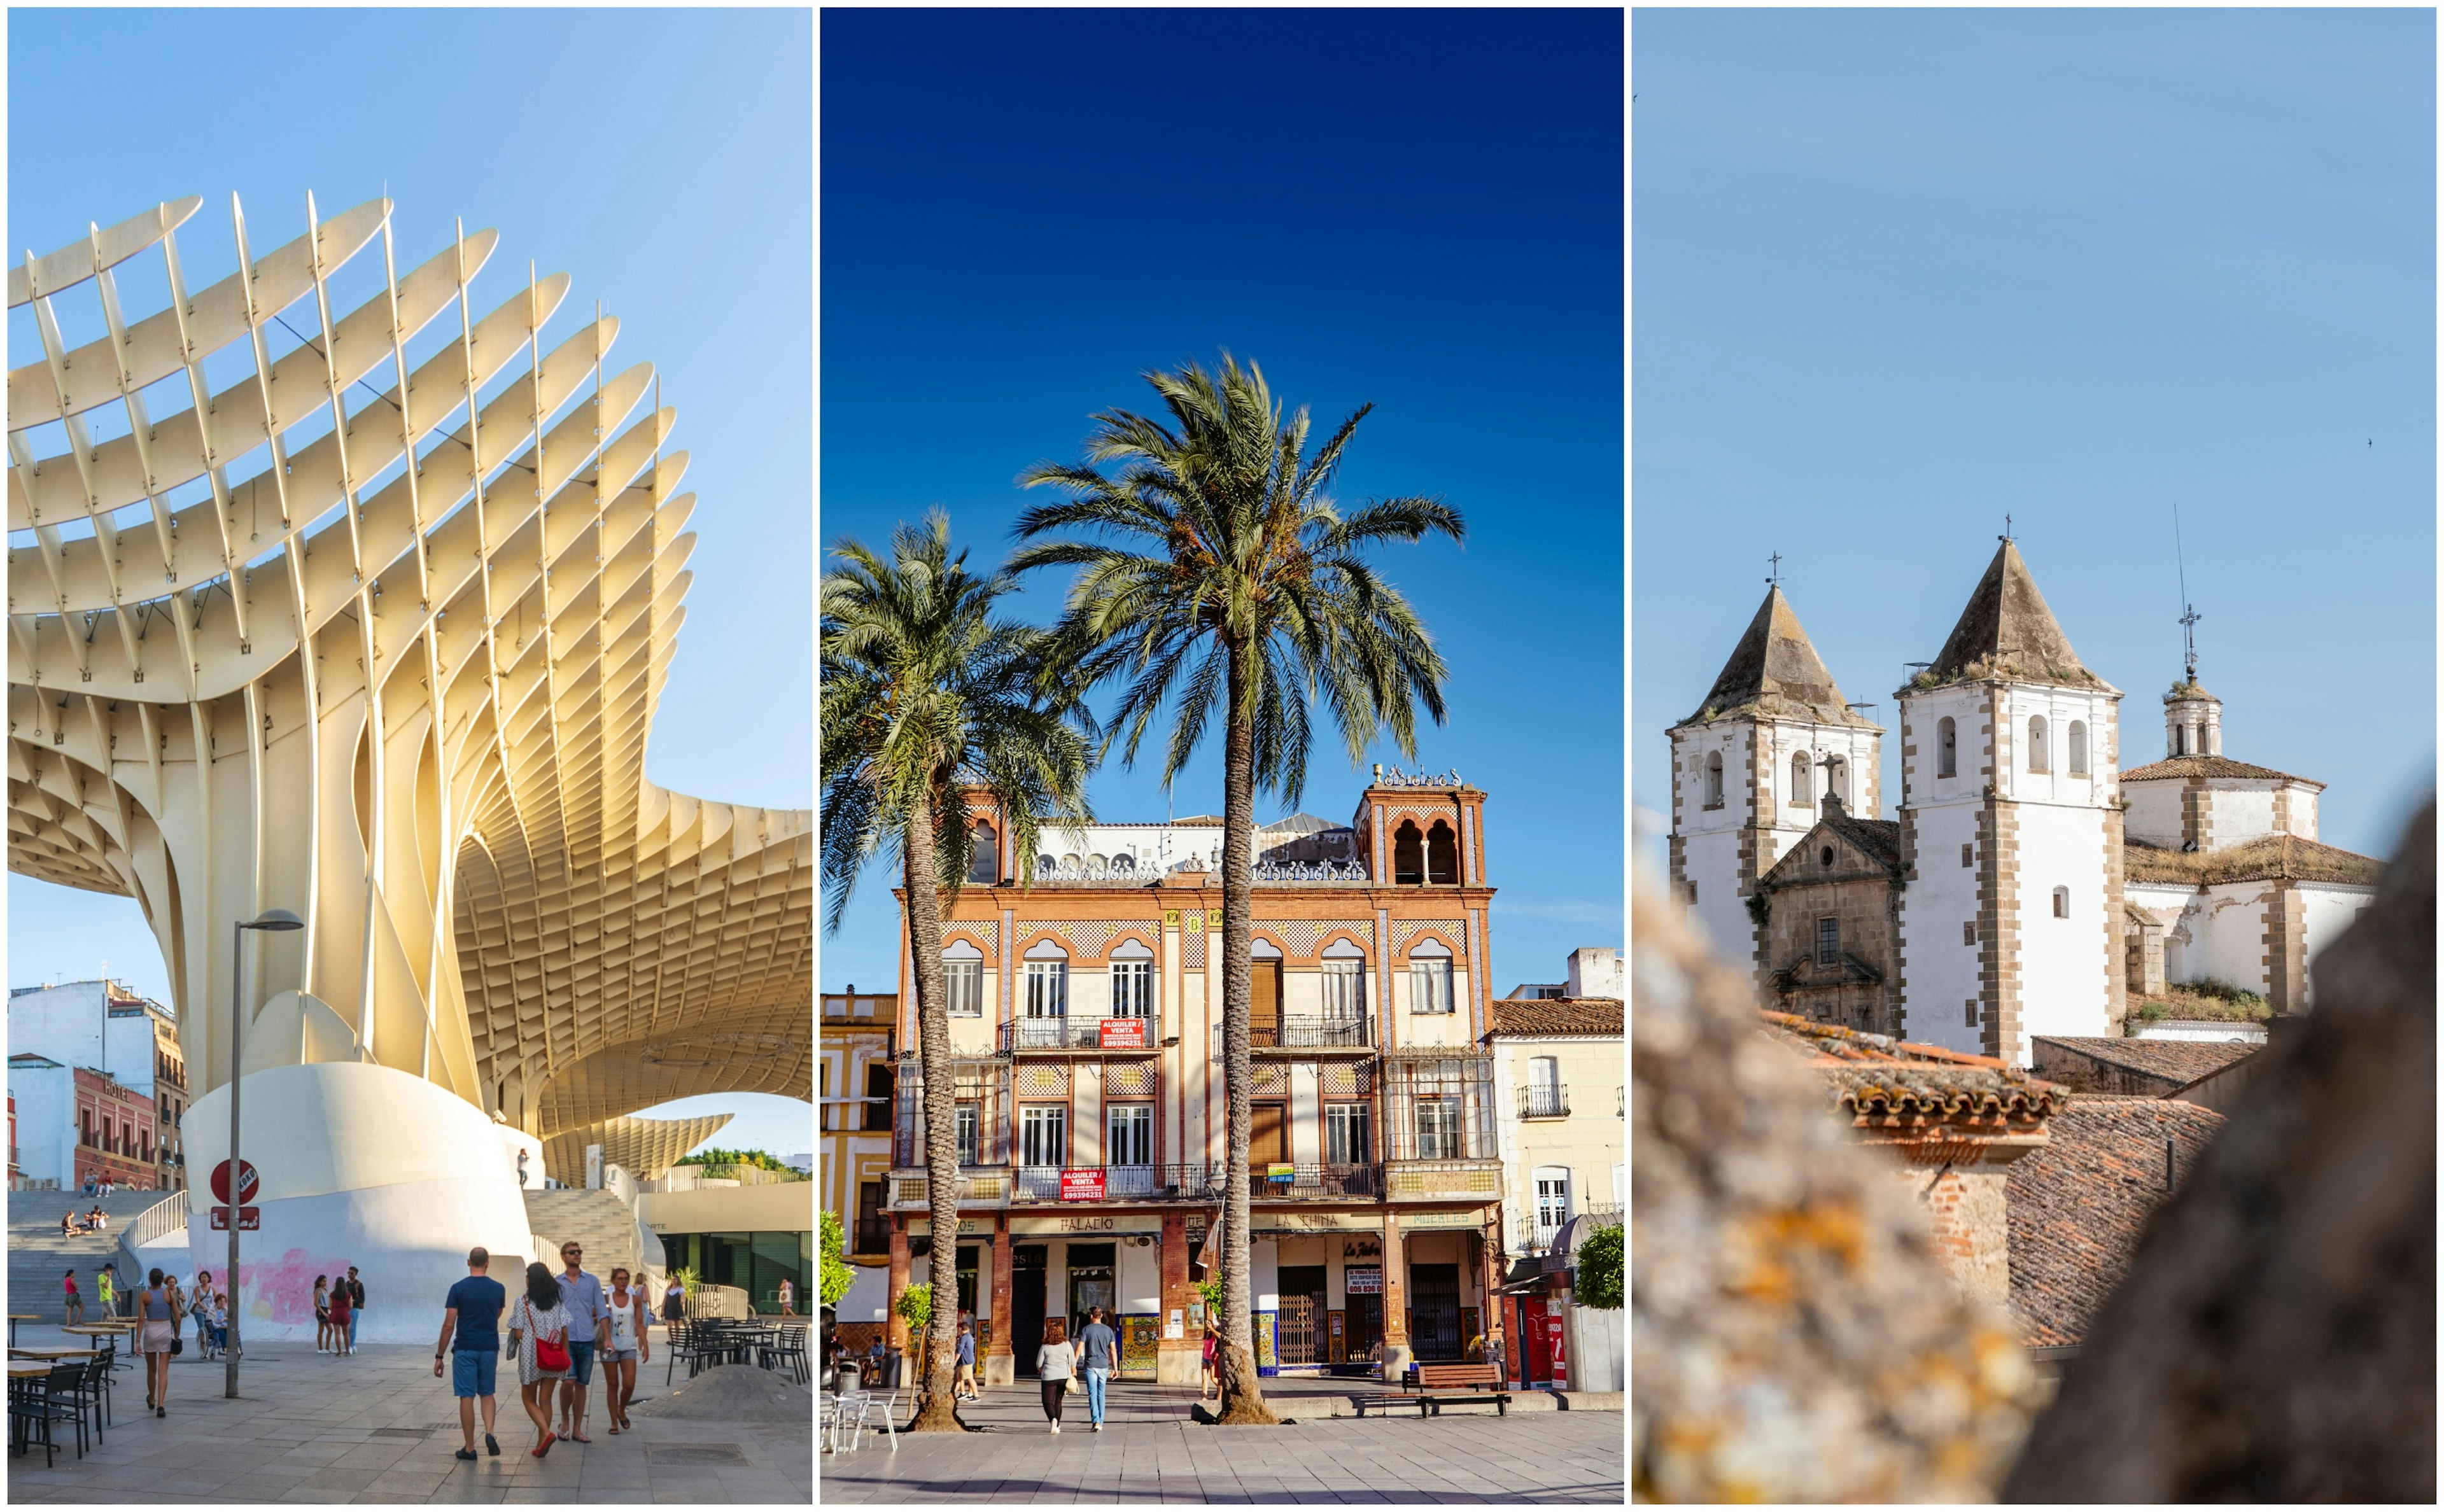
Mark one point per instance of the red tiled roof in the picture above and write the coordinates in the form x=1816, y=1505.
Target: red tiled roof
x=2173, y=766
x=2078, y=1204
x=2179, y=1061
x=1540, y=1016
x=2274, y=857
x=1924, y=1089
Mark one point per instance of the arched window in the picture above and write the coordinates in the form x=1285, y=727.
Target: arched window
x=1713, y=779
x=1947, y=748
x=1408, y=853
x=2078, y=748
x=2037, y=762
x=2062, y=902
x=963, y=972
x=1442, y=853
x=1837, y=779
x=1825, y=858
x=1125, y=862
x=2181, y=740
x=2198, y=738
x=1803, y=792
x=984, y=863
x=1133, y=979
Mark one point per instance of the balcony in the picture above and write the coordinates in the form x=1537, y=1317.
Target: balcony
x=1543, y=1102
x=1084, y=1033
x=1478, y=1178
x=1307, y=1034
x=1314, y=1182
x=1196, y=1182
x=986, y=1187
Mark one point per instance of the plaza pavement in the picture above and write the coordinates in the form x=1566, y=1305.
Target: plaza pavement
x=1151, y=1450
x=376, y=1427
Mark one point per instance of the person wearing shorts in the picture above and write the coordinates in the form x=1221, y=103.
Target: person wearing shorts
x=472, y=1313
x=589, y=1314
x=628, y=1344
x=965, y=1384
x=76, y=1304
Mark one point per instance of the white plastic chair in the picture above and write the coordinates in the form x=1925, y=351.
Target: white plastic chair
x=889, y=1407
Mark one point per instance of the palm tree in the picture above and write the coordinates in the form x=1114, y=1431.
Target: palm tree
x=1216, y=567
x=926, y=696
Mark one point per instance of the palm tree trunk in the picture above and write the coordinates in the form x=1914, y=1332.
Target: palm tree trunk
x=936, y=1411
x=1243, y=1399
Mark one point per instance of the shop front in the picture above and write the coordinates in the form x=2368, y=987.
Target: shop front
x=1060, y=1265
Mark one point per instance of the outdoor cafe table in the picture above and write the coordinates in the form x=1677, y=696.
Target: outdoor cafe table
x=14, y=1318
x=54, y=1354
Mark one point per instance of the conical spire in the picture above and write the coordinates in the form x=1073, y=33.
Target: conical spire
x=1775, y=674
x=2008, y=632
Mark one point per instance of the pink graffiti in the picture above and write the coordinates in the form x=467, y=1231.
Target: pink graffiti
x=283, y=1290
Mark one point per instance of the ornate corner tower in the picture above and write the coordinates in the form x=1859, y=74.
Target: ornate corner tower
x=2011, y=920
x=1750, y=769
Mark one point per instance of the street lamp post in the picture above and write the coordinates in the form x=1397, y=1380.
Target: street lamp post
x=280, y=921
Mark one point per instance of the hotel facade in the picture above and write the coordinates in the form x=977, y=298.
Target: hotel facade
x=1085, y=1015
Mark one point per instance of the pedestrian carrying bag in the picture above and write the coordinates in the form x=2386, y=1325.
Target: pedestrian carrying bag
x=548, y=1355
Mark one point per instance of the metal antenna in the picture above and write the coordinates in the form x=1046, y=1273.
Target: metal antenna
x=2190, y=616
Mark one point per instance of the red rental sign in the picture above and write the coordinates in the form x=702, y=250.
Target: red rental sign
x=249, y=1220
x=247, y=1179
x=1123, y=1034
x=1083, y=1184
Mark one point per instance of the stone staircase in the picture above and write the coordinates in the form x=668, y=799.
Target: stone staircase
x=597, y=1220
x=38, y=1254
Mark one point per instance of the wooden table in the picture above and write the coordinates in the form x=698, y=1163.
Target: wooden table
x=14, y=1318
x=49, y=1353
x=18, y=1371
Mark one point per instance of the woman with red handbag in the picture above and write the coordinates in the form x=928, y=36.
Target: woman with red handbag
x=539, y=1334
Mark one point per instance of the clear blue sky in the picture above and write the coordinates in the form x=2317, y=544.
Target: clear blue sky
x=662, y=158
x=1022, y=210
x=1897, y=273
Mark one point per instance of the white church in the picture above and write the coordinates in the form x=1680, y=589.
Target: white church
x=2030, y=885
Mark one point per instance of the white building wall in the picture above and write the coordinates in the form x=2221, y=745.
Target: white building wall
x=1713, y=863
x=2226, y=930
x=2242, y=813
x=2329, y=909
x=1137, y=1277
x=2065, y=963
x=2303, y=811
x=1940, y=972
x=2154, y=814
x=1306, y=1114
x=46, y=1122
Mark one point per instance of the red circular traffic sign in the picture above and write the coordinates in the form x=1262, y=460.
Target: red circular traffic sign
x=247, y=1180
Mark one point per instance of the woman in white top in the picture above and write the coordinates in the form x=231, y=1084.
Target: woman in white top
x=537, y=1315
x=627, y=1346
x=1053, y=1364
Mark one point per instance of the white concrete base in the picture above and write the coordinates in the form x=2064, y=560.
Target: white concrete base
x=363, y=1166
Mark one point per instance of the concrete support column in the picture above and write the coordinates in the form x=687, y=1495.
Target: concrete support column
x=1177, y=1361
x=997, y=1367
x=1397, y=1353
x=896, y=1336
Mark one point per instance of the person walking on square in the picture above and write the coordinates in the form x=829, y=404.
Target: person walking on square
x=355, y=1304
x=1210, y=1375
x=157, y=1307
x=471, y=1341
x=1099, y=1354
x=342, y=1312
x=965, y=1386
x=1053, y=1363
x=105, y=1286
x=674, y=1301
x=75, y=1312
x=589, y=1314
x=789, y=1298
x=628, y=1345
x=539, y=1324
x=322, y=1314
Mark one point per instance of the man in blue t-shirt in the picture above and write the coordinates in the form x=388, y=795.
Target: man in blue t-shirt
x=1099, y=1351
x=473, y=1313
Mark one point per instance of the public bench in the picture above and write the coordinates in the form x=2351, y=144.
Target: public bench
x=1430, y=1385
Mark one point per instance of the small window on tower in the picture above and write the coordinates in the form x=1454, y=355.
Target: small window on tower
x=1968, y=854
x=2181, y=740
x=1973, y=1012
x=1714, y=779
x=1968, y=932
x=2062, y=902
x=1693, y=895
x=2037, y=758
x=1802, y=790
x=1824, y=857
x=1828, y=941
x=1947, y=748
x=2078, y=748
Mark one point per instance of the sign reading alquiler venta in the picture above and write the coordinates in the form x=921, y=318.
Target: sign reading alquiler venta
x=1082, y=1183
x=1122, y=1033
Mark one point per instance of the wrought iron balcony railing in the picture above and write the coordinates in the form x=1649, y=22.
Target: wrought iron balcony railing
x=1306, y=1031
x=1195, y=1182
x=1084, y=1031
x=985, y=1188
x=1543, y=1102
x=1317, y=1182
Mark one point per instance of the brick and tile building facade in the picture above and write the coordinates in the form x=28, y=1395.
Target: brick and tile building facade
x=1085, y=1021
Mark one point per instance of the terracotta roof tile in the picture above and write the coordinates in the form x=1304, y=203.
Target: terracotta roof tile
x=1539, y=1016
x=2285, y=856
x=2184, y=767
x=2180, y=1062
x=1894, y=1085
x=2078, y=1204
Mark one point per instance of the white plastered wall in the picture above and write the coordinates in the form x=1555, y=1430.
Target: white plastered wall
x=1940, y=971
x=2329, y=909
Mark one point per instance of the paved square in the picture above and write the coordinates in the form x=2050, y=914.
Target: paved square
x=1151, y=1451
x=376, y=1427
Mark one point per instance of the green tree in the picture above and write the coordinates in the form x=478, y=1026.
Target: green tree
x=834, y=1277
x=916, y=1308
x=1597, y=1272
x=1215, y=570
x=926, y=697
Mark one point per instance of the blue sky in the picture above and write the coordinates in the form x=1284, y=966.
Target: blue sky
x=1898, y=273
x=664, y=159
x=1022, y=211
